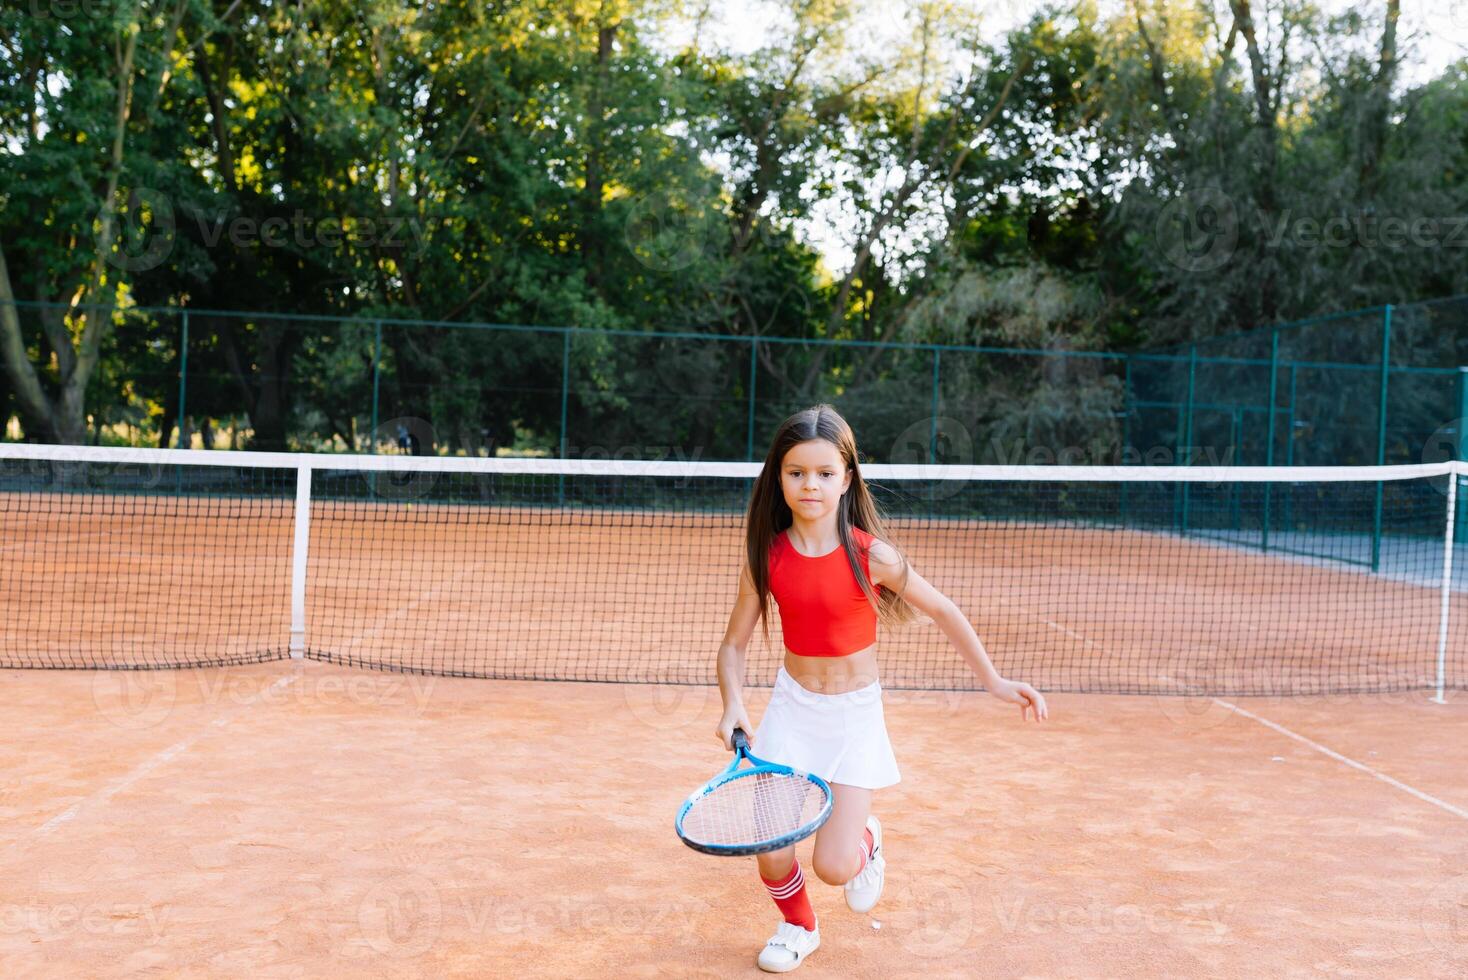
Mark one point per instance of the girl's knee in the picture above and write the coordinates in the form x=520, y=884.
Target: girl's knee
x=832, y=871
x=776, y=863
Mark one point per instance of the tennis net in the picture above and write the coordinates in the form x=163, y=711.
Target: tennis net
x=1165, y=580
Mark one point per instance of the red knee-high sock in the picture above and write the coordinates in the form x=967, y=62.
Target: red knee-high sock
x=865, y=849
x=791, y=899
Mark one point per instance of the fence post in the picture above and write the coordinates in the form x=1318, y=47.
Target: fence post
x=1269, y=438
x=1187, y=447
x=1460, y=445
x=376, y=386
x=933, y=424
x=183, y=380
x=749, y=441
x=565, y=385
x=565, y=400
x=1386, y=352
x=1126, y=429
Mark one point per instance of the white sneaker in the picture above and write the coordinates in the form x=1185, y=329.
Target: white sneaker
x=789, y=947
x=863, y=891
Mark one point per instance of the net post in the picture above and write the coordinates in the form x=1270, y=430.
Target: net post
x=1386, y=348
x=1447, y=587
x=1269, y=436
x=749, y=440
x=183, y=379
x=300, y=547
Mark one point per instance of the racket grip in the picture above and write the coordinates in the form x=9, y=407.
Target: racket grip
x=741, y=740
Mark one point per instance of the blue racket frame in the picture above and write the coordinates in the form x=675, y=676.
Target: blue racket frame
x=741, y=753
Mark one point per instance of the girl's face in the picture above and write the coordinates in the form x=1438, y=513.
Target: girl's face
x=813, y=477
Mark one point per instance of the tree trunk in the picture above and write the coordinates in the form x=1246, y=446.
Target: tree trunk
x=267, y=390
x=1266, y=125
x=63, y=419
x=1378, y=105
x=593, y=249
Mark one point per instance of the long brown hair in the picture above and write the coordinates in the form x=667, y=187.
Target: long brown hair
x=769, y=514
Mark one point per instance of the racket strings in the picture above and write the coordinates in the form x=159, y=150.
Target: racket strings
x=753, y=809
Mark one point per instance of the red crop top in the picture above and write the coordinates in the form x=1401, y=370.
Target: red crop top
x=823, y=610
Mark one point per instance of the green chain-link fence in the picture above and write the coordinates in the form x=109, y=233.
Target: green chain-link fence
x=1375, y=386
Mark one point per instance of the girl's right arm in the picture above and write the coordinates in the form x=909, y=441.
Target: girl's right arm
x=742, y=622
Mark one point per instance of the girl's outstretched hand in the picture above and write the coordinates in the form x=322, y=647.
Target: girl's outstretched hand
x=1020, y=693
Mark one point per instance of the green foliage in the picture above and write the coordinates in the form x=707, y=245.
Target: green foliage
x=1086, y=182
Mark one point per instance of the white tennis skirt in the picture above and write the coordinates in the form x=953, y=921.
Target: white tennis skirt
x=840, y=737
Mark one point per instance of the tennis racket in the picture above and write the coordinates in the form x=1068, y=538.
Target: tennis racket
x=751, y=811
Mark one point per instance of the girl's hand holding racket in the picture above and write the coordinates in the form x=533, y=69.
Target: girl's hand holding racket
x=1020, y=693
x=734, y=717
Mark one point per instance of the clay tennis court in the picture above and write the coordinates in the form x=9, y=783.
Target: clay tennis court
x=300, y=818
x=303, y=819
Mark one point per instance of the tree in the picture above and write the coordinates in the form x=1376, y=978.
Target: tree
x=76, y=202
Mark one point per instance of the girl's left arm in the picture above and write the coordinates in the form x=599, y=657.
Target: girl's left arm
x=887, y=570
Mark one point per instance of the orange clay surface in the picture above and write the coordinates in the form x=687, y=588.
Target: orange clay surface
x=306, y=820
x=623, y=595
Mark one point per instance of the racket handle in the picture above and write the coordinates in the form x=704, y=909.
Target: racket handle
x=741, y=740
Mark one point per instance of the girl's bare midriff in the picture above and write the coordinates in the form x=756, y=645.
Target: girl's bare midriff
x=833, y=675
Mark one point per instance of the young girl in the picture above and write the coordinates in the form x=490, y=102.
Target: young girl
x=814, y=540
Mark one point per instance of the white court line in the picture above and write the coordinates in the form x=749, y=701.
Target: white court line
x=44, y=539
x=382, y=622
x=159, y=759
x=1053, y=624
x=1425, y=797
